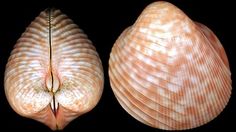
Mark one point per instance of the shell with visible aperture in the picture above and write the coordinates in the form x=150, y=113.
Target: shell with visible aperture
x=54, y=73
x=169, y=72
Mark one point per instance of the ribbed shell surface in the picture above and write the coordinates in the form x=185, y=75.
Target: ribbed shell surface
x=53, y=66
x=169, y=72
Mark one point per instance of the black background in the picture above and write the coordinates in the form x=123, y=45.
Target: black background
x=103, y=21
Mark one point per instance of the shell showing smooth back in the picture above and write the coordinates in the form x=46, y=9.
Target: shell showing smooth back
x=53, y=65
x=169, y=72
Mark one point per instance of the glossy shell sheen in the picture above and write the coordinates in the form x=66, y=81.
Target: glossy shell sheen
x=169, y=72
x=54, y=73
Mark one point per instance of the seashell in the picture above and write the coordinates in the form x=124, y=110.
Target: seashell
x=54, y=73
x=169, y=72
